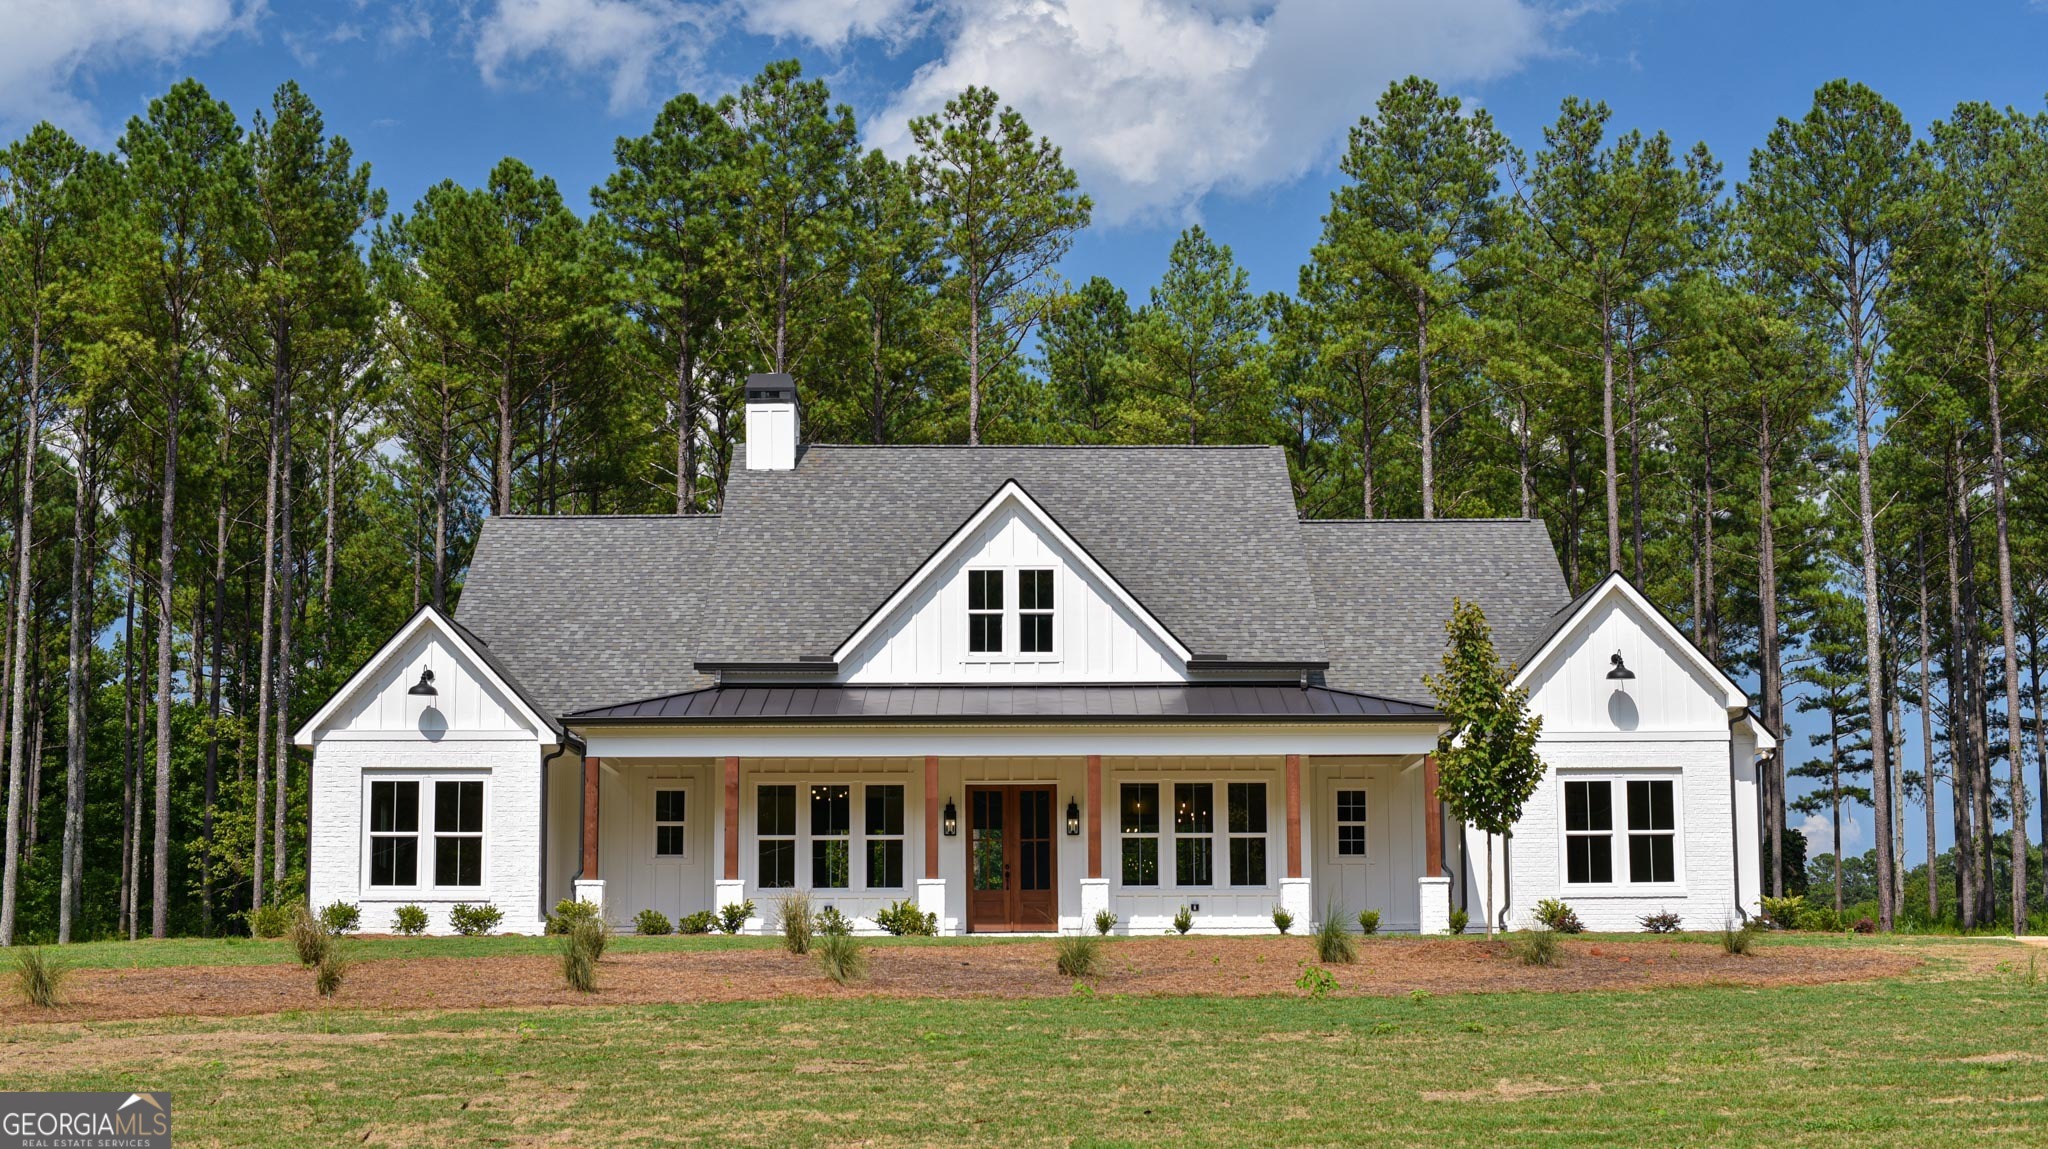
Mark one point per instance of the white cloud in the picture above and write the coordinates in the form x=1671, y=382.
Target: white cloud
x=1157, y=103
x=632, y=41
x=49, y=46
x=829, y=24
x=1820, y=836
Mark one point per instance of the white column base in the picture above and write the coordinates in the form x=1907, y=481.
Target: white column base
x=1094, y=900
x=931, y=898
x=1294, y=898
x=590, y=890
x=1435, y=895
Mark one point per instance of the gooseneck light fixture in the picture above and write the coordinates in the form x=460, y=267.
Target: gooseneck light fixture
x=1621, y=669
x=425, y=686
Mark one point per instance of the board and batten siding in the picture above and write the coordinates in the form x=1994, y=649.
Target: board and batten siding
x=467, y=729
x=1097, y=639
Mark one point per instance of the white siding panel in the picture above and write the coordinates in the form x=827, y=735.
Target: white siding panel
x=1097, y=639
x=465, y=702
x=1668, y=693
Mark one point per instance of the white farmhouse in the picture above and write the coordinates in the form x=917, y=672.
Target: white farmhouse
x=1017, y=686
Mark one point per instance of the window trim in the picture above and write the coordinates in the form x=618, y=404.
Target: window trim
x=423, y=885
x=460, y=835
x=1220, y=836
x=1623, y=886
x=654, y=788
x=1013, y=614
x=1000, y=613
x=856, y=837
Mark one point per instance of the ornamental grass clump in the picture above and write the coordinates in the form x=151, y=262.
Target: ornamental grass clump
x=842, y=958
x=1535, y=947
x=1737, y=941
x=1076, y=955
x=582, y=947
x=1332, y=941
x=310, y=939
x=38, y=976
x=329, y=970
x=797, y=924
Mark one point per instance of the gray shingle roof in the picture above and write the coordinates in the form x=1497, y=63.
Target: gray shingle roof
x=1386, y=586
x=592, y=612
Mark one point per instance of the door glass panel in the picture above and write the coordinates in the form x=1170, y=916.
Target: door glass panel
x=1034, y=839
x=1351, y=823
x=986, y=839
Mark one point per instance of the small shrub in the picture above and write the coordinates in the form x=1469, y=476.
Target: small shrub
x=1865, y=926
x=1459, y=920
x=1661, y=922
x=475, y=921
x=328, y=973
x=1368, y=922
x=842, y=958
x=652, y=923
x=310, y=940
x=831, y=923
x=273, y=920
x=732, y=916
x=904, y=919
x=1535, y=947
x=341, y=917
x=1555, y=915
x=410, y=920
x=1737, y=941
x=1332, y=941
x=1183, y=921
x=1282, y=920
x=1315, y=981
x=38, y=976
x=701, y=922
x=794, y=910
x=568, y=912
x=1075, y=955
x=1818, y=919
x=1105, y=921
x=1783, y=912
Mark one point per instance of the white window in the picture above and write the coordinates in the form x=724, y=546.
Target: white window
x=1648, y=852
x=394, y=832
x=1183, y=851
x=985, y=611
x=671, y=824
x=819, y=840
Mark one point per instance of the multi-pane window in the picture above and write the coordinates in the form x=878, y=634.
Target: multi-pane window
x=985, y=611
x=1589, y=831
x=1351, y=823
x=1246, y=823
x=1194, y=829
x=670, y=838
x=831, y=837
x=459, y=833
x=1652, y=831
x=1140, y=829
x=394, y=832
x=775, y=829
x=1034, y=612
x=884, y=828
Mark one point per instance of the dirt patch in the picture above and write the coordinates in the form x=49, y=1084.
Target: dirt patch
x=1231, y=967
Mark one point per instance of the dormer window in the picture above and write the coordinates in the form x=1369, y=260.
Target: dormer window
x=985, y=612
x=1034, y=612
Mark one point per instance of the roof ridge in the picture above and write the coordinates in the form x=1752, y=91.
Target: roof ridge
x=1480, y=519
x=523, y=516
x=1044, y=446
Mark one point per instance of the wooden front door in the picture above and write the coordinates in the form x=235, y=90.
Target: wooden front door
x=1011, y=859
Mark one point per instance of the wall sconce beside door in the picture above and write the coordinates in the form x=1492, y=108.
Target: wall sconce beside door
x=951, y=823
x=1073, y=818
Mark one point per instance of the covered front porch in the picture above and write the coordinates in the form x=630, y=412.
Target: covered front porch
x=1006, y=832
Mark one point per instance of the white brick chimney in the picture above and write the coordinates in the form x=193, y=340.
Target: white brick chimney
x=771, y=422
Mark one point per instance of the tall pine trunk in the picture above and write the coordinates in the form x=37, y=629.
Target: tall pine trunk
x=286, y=609
x=166, y=653
x=1866, y=517
x=10, y=878
x=2015, y=745
x=264, y=662
x=1613, y=475
x=1927, y=740
x=1425, y=403
x=79, y=664
x=1772, y=671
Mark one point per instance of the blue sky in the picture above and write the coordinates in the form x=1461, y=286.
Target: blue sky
x=1223, y=112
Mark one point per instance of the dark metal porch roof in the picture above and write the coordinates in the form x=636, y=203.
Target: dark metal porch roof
x=1050, y=703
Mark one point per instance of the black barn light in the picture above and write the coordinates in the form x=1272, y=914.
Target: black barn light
x=1621, y=669
x=425, y=685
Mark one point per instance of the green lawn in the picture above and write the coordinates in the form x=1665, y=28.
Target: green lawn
x=1941, y=1058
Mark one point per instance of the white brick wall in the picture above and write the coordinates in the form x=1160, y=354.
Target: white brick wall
x=511, y=770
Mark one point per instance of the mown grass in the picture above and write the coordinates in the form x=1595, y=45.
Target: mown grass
x=1944, y=1057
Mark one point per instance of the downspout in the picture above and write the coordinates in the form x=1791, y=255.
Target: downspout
x=1735, y=855
x=1507, y=880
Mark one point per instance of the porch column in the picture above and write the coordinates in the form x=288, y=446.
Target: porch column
x=729, y=890
x=1433, y=889
x=931, y=889
x=588, y=887
x=1294, y=888
x=1094, y=887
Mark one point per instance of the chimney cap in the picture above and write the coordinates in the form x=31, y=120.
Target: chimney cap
x=773, y=387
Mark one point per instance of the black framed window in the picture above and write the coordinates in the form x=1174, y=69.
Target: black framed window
x=394, y=832
x=831, y=840
x=1034, y=611
x=671, y=823
x=1194, y=830
x=775, y=828
x=1652, y=830
x=1589, y=831
x=1351, y=823
x=1139, y=807
x=884, y=829
x=1245, y=821
x=985, y=612
x=459, y=833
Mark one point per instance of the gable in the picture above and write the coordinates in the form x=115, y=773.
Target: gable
x=1675, y=687
x=470, y=699
x=1101, y=633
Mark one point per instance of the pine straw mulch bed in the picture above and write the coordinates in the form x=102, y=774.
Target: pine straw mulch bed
x=1234, y=967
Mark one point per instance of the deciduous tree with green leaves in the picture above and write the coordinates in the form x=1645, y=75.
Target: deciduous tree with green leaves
x=1486, y=762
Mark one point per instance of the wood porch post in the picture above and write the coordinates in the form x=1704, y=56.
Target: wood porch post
x=1095, y=800
x=591, y=768
x=931, y=816
x=732, y=819
x=1294, y=815
x=1432, y=821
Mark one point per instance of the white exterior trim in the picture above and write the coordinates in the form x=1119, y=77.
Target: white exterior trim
x=311, y=733
x=979, y=741
x=1615, y=586
x=1009, y=494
